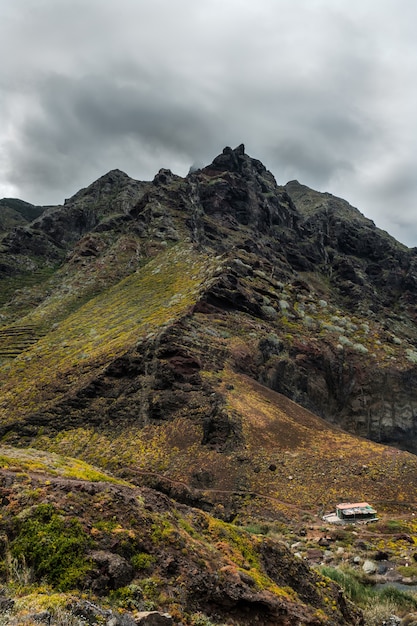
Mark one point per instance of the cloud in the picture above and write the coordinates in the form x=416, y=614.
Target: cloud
x=319, y=90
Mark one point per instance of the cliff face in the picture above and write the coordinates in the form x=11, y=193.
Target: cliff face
x=342, y=295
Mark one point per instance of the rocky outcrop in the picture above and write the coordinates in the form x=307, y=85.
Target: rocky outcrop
x=362, y=262
x=227, y=573
x=153, y=618
x=237, y=187
x=111, y=571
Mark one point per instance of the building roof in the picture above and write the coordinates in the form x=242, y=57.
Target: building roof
x=354, y=505
x=356, y=508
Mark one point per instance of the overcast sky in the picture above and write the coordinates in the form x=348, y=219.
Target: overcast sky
x=324, y=91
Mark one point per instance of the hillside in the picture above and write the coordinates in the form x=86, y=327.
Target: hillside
x=14, y=212
x=209, y=337
x=79, y=527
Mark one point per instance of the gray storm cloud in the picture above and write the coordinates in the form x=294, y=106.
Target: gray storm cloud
x=322, y=91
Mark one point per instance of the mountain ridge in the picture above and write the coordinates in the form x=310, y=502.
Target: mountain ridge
x=362, y=269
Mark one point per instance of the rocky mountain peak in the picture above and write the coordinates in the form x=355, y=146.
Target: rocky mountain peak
x=106, y=184
x=164, y=176
x=230, y=159
x=237, y=161
x=313, y=246
x=237, y=187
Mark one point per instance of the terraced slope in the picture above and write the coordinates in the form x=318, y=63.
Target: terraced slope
x=14, y=340
x=98, y=332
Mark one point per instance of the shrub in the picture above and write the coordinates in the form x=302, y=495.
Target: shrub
x=348, y=579
x=53, y=547
x=332, y=328
x=309, y=322
x=344, y=341
x=411, y=355
x=358, y=347
x=403, y=600
x=199, y=619
x=408, y=571
x=366, y=596
x=392, y=526
x=142, y=560
x=378, y=613
x=257, y=529
x=129, y=597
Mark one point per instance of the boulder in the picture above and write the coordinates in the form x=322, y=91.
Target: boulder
x=121, y=620
x=153, y=618
x=112, y=571
x=369, y=567
x=323, y=542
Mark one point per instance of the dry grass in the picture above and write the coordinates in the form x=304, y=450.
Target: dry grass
x=34, y=461
x=317, y=465
x=102, y=329
x=290, y=461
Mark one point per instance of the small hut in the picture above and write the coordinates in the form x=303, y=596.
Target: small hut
x=355, y=512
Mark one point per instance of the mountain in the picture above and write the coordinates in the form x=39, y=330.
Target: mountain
x=209, y=337
x=332, y=297
x=14, y=212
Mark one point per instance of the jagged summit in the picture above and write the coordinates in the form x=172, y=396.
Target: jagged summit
x=230, y=159
x=236, y=160
x=107, y=183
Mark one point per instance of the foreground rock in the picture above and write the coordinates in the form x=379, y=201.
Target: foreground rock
x=153, y=618
x=138, y=546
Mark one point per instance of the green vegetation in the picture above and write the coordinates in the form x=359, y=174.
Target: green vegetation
x=53, y=464
x=27, y=210
x=364, y=594
x=199, y=619
x=102, y=329
x=25, y=289
x=407, y=571
x=257, y=528
x=393, y=526
x=129, y=597
x=53, y=546
x=142, y=560
x=353, y=584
